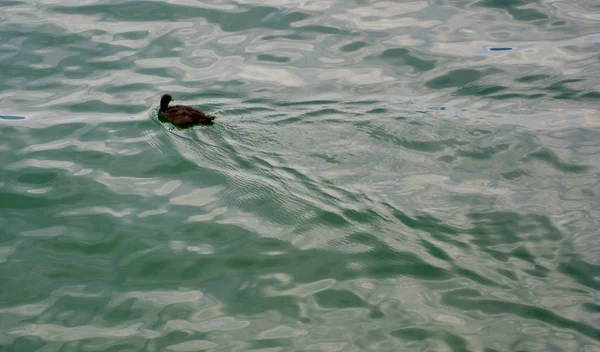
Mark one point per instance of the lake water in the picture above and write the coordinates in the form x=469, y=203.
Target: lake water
x=382, y=176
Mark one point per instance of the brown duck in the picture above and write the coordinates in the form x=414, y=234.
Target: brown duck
x=181, y=115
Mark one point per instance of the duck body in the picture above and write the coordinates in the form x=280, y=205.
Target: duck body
x=181, y=115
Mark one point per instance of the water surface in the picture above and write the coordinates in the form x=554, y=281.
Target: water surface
x=383, y=176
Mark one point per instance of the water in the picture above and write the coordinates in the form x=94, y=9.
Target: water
x=383, y=176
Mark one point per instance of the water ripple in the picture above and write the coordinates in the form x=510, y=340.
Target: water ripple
x=383, y=176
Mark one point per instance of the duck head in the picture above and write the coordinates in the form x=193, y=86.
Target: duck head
x=164, y=102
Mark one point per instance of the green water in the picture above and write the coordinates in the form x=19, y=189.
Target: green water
x=382, y=176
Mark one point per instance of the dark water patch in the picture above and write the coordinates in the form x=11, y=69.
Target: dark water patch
x=582, y=272
x=256, y=101
x=11, y=117
x=292, y=36
x=132, y=35
x=515, y=9
x=512, y=96
x=234, y=21
x=388, y=261
x=538, y=271
x=437, y=228
x=273, y=58
x=326, y=158
x=252, y=263
x=561, y=85
x=13, y=3
x=532, y=78
x=483, y=153
x=363, y=102
x=133, y=11
x=412, y=334
x=447, y=158
x=516, y=174
x=376, y=314
x=36, y=177
x=436, y=251
x=548, y=156
x=427, y=146
x=27, y=343
x=377, y=111
x=180, y=338
x=560, y=23
x=268, y=344
x=307, y=33
x=510, y=227
x=508, y=274
x=458, y=78
x=21, y=201
x=405, y=57
x=365, y=216
x=339, y=299
x=591, y=307
x=454, y=342
x=479, y=90
x=329, y=219
x=354, y=46
x=590, y=95
x=566, y=96
x=470, y=300
x=320, y=29
x=561, y=91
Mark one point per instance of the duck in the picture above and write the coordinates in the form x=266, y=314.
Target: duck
x=181, y=115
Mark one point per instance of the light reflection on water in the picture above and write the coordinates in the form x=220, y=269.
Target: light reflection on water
x=413, y=175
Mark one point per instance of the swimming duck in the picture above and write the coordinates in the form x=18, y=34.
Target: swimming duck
x=181, y=115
